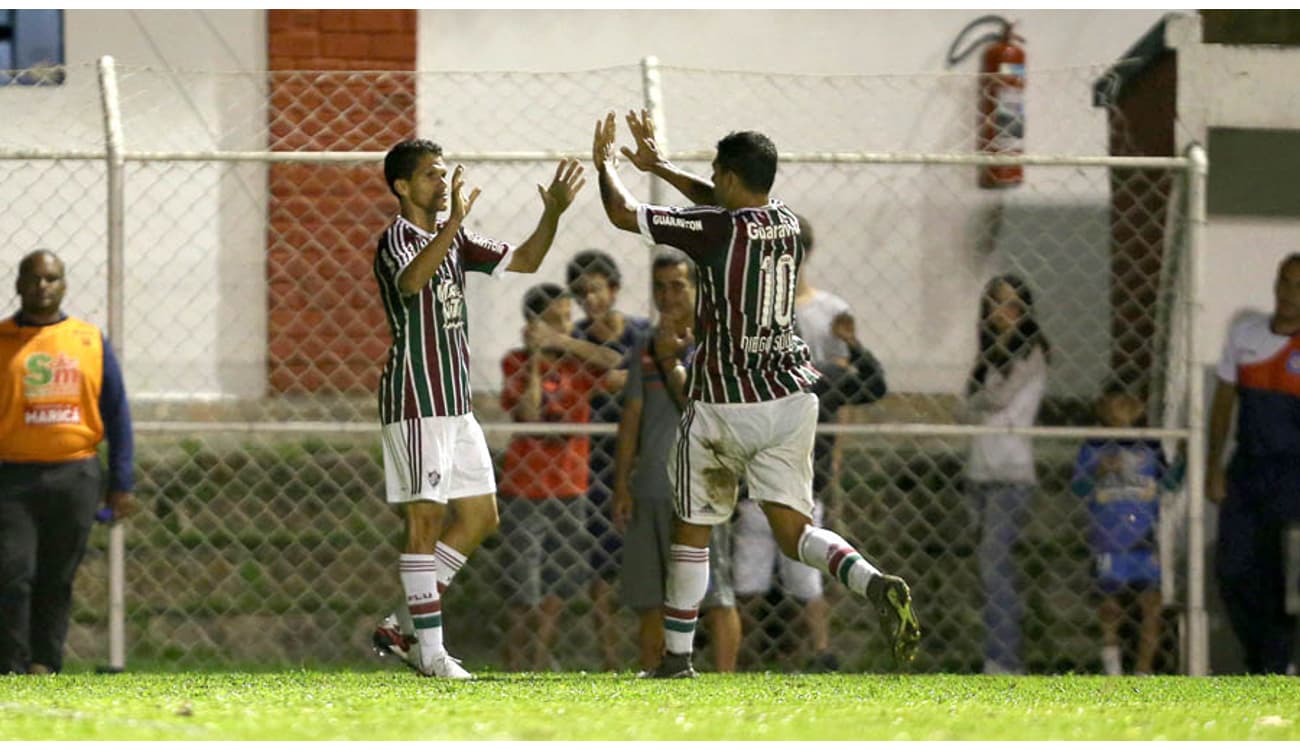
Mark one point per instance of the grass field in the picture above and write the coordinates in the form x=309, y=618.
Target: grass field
x=310, y=705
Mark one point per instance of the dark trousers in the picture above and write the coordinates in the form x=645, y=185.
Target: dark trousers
x=46, y=512
x=1252, y=583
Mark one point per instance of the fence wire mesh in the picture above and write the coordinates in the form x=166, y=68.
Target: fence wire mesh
x=254, y=340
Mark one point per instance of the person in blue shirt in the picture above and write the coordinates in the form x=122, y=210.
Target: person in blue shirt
x=1121, y=480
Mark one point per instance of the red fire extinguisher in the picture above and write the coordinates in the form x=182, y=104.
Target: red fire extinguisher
x=1000, y=127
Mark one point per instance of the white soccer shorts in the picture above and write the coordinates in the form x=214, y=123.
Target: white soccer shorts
x=436, y=458
x=770, y=444
x=755, y=556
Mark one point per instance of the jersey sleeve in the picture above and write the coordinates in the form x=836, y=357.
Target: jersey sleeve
x=482, y=254
x=699, y=231
x=398, y=247
x=1227, y=367
x=635, y=379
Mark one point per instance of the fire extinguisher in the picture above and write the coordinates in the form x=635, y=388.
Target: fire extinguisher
x=1000, y=127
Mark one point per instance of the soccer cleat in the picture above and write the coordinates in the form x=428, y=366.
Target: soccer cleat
x=447, y=667
x=389, y=640
x=893, y=601
x=674, y=667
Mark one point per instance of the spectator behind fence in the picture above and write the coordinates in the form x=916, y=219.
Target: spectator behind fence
x=653, y=399
x=61, y=394
x=850, y=375
x=1121, y=481
x=544, y=509
x=434, y=450
x=594, y=280
x=1005, y=390
x=749, y=413
x=1259, y=493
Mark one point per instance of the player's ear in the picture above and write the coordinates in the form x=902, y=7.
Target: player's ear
x=402, y=187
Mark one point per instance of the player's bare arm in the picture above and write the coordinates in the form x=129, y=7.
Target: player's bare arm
x=425, y=264
x=619, y=204
x=648, y=158
x=556, y=199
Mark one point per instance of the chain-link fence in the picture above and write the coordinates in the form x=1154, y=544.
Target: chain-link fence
x=253, y=338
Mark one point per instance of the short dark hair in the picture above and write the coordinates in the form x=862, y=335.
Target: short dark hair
x=751, y=156
x=669, y=257
x=593, y=261
x=25, y=264
x=540, y=297
x=402, y=159
x=1288, y=260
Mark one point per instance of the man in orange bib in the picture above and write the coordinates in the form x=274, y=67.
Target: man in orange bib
x=61, y=393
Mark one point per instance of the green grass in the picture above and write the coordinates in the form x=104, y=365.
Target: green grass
x=309, y=705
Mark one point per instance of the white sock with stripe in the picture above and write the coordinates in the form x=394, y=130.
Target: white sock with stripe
x=688, y=579
x=420, y=582
x=450, y=561
x=828, y=552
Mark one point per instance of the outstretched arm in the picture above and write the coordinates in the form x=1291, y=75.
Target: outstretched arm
x=556, y=199
x=648, y=159
x=619, y=204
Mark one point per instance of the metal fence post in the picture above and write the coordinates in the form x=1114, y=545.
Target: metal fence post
x=116, y=166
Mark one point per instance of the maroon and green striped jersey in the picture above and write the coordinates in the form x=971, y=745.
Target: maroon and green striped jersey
x=748, y=263
x=427, y=372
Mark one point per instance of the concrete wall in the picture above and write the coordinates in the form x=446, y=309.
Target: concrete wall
x=1239, y=87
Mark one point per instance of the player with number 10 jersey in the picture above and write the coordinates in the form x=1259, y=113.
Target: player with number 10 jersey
x=748, y=413
x=747, y=261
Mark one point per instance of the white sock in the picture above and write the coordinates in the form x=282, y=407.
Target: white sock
x=688, y=579
x=828, y=552
x=420, y=581
x=1110, y=661
x=450, y=561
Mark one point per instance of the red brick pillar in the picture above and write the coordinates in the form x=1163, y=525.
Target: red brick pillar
x=326, y=328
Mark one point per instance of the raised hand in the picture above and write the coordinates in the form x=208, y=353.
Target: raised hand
x=460, y=206
x=602, y=143
x=647, y=153
x=564, y=186
x=674, y=337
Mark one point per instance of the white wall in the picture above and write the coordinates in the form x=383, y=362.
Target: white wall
x=1240, y=87
x=195, y=234
x=909, y=248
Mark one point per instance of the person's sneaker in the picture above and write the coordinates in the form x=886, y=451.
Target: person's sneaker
x=674, y=666
x=389, y=640
x=645, y=674
x=893, y=601
x=446, y=666
x=823, y=663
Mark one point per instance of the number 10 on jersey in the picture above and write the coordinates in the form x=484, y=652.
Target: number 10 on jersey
x=776, y=279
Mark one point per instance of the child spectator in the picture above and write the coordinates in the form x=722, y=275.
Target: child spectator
x=1121, y=481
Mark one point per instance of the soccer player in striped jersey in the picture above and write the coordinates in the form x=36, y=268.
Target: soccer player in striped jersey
x=434, y=449
x=749, y=413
